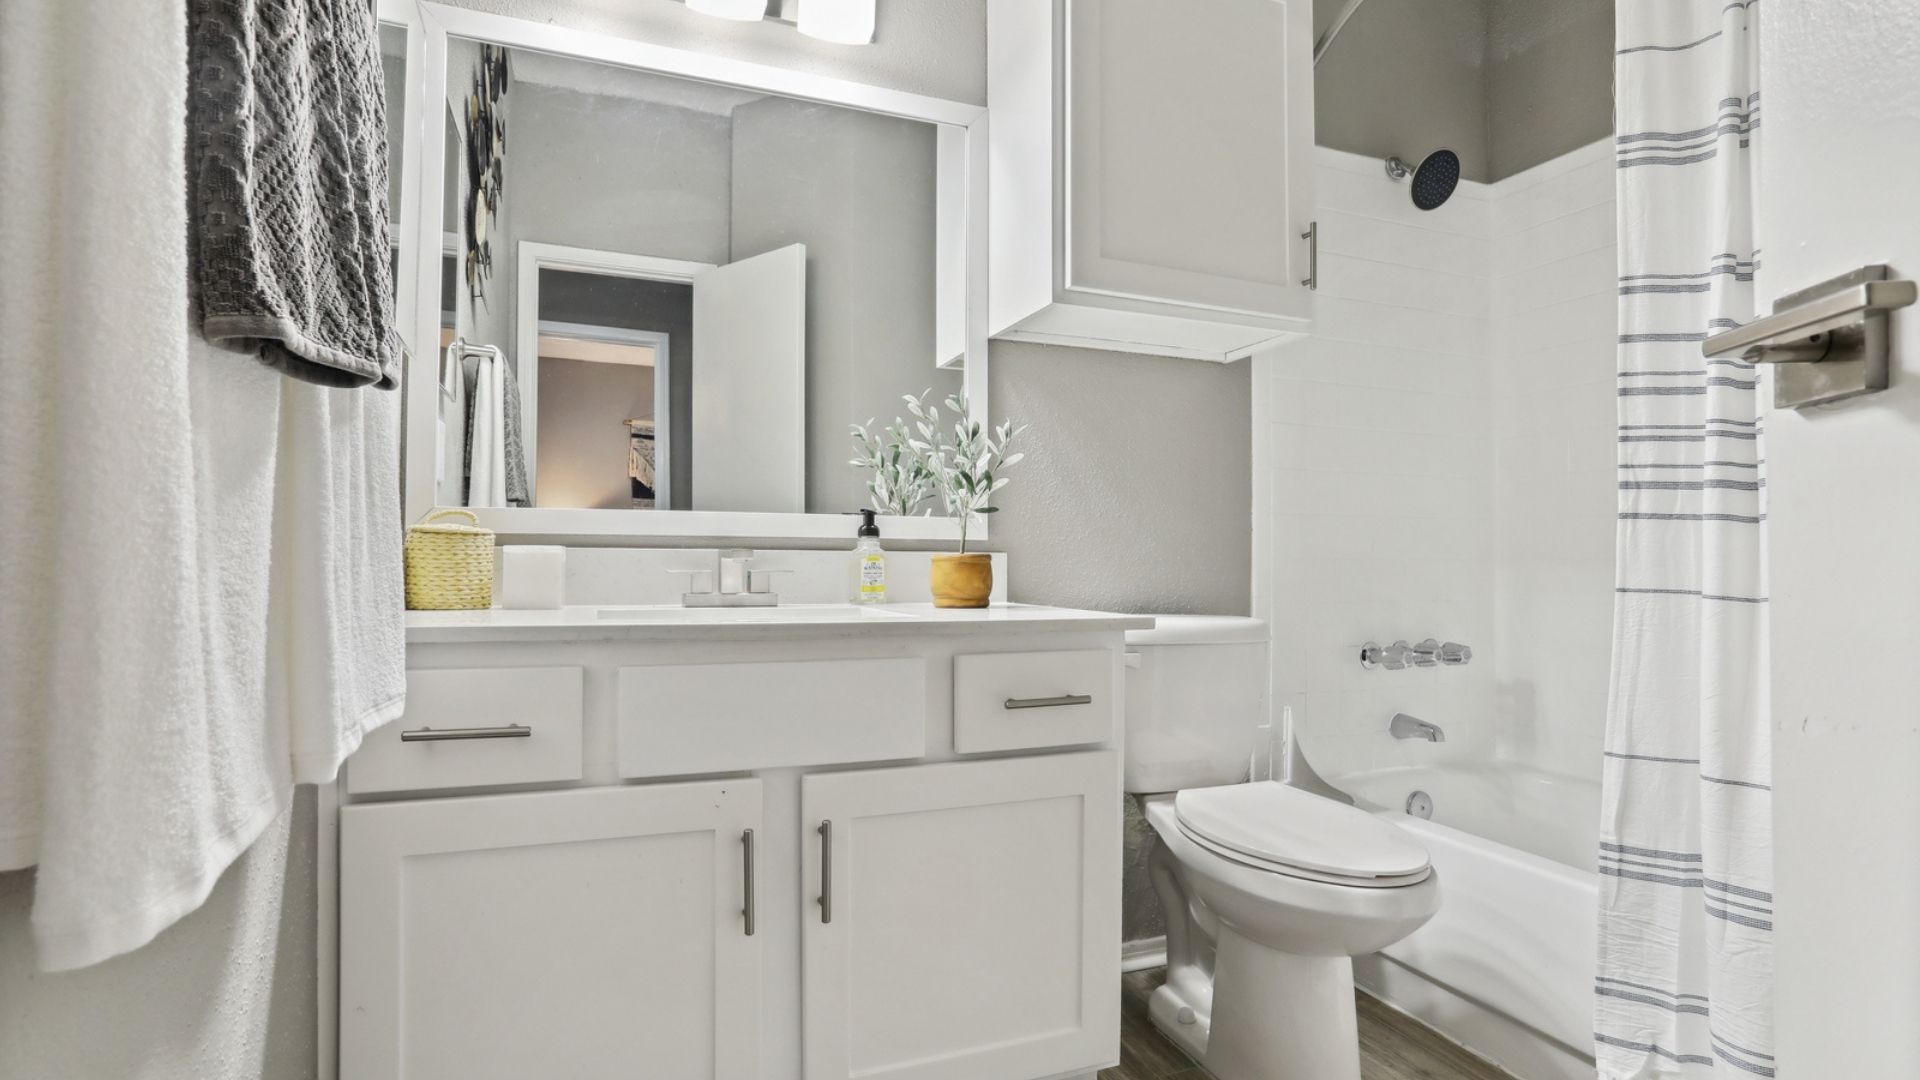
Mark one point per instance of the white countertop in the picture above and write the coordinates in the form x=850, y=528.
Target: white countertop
x=674, y=623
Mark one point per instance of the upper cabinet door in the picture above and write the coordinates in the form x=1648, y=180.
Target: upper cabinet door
x=587, y=933
x=970, y=919
x=1152, y=173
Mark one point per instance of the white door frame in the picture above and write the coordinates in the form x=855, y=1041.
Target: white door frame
x=534, y=257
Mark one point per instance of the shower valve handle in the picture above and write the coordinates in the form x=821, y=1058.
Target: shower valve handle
x=1453, y=654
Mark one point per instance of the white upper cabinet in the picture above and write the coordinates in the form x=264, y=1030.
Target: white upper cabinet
x=1151, y=173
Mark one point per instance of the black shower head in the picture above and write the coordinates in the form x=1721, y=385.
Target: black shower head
x=1433, y=181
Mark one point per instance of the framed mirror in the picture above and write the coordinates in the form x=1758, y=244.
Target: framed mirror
x=655, y=287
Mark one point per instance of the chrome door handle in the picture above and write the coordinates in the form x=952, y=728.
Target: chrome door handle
x=1312, y=237
x=826, y=871
x=746, y=856
x=427, y=734
x=1048, y=702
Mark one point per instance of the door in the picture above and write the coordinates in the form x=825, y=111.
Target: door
x=968, y=921
x=750, y=384
x=1190, y=171
x=587, y=933
x=1839, y=152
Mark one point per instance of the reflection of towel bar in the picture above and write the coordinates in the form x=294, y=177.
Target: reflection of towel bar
x=457, y=350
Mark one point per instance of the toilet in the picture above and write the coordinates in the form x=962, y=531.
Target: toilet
x=1269, y=891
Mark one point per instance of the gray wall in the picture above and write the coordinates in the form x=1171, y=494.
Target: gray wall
x=1405, y=77
x=858, y=189
x=1549, y=79
x=1507, y=84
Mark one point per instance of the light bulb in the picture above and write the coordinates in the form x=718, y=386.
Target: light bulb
x=847, y=22
x=742, y=10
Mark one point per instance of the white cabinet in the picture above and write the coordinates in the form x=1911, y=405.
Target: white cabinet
x=967, y=928
x=1151, y=176
x=587, y=933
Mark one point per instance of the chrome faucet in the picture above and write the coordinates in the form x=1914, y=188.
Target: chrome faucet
x=733, y=583
x=1412, y=727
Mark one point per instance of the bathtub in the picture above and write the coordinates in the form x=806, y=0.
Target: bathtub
x=1506, y=967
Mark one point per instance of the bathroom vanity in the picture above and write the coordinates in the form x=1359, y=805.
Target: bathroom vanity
x=812, y=841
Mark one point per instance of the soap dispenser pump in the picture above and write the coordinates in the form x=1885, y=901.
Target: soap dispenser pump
x=869, y=562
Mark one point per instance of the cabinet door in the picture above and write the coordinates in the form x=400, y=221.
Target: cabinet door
x=1190, y=152
x=586, y=933
x=972, y=923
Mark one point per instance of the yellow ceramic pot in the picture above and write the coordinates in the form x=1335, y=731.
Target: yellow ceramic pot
x=962, y=581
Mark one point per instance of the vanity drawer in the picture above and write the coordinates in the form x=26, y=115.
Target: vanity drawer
x=1018, y=701
x=476, y=717
x=683, y=719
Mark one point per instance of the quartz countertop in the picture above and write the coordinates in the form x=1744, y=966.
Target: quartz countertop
x=674, y=623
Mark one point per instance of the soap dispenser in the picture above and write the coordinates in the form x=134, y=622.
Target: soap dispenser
x=869, y=563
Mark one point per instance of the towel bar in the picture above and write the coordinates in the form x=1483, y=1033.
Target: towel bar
x=1830, y=340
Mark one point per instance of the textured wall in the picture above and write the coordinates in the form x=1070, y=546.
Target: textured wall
x=1136, y=492
x=1549, y=80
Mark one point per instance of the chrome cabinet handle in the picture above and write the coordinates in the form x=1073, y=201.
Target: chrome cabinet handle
x=826, y=871
x=1048, y=702
x=1312, y=237
x=427, y=734
x=746, y=856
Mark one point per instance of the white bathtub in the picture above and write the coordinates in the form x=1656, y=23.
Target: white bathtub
x=1506, y=967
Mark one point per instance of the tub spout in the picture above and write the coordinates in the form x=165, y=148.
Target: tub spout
x=1412, y=727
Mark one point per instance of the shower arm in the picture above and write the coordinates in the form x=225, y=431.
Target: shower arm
x=1333, y=29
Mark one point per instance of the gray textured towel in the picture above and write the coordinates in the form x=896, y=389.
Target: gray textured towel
x=287, y=165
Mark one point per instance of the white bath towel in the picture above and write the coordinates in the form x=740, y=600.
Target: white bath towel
x=199, y=559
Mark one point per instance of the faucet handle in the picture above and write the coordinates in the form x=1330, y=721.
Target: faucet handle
x=1392, y=657
x=1426, y=654
x=1453, y=654
x=761, y=581
x=699, y=582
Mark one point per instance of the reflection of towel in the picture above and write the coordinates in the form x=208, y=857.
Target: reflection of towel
x=495, y=462
x=287, y=151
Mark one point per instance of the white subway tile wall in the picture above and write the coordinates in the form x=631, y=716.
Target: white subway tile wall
x=1438, y=460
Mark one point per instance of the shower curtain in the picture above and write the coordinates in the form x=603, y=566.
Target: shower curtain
x=1684, y=986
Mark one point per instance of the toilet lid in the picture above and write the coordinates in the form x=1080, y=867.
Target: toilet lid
x=1272, y=823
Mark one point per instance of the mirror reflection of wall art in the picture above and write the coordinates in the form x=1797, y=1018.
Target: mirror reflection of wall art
x=486, y=155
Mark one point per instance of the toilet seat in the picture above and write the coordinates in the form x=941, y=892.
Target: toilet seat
x=1285, y=830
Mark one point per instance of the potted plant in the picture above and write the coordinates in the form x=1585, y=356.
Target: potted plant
x=962, y=464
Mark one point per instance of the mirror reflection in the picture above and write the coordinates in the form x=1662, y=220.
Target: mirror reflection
x=664, y=294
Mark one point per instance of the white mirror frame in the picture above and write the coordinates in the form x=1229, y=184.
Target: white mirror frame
x=961, y=241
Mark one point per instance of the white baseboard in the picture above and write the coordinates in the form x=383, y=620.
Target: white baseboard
x=1143, y=954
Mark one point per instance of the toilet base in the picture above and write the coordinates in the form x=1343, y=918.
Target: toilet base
x=1272, y=1015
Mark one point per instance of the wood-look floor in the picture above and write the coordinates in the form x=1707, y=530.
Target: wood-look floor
x=1393, y=1046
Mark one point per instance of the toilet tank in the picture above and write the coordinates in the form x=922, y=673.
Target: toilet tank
x=1196, y=701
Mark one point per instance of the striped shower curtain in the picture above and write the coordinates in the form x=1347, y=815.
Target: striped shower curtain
x=1685, y=973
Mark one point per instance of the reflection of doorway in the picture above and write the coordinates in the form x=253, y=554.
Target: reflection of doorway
x=610, y=332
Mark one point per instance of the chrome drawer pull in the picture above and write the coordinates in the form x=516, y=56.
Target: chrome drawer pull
x=1048, y=702
x=427, y=734
x=746, y=844
x=826, y=871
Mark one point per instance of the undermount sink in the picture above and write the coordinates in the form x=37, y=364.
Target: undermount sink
x=668, y=614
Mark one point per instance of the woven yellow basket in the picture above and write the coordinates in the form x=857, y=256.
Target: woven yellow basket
x=449, y=566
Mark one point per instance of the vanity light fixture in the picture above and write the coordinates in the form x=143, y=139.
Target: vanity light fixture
x=844, y=22
x=740, y=10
